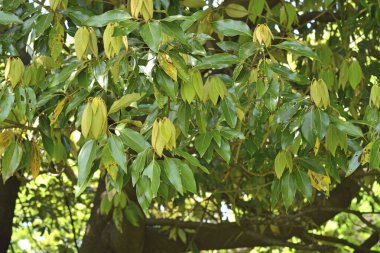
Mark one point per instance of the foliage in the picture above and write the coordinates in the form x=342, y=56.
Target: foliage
x=192, y=101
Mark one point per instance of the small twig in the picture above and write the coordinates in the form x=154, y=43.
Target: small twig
x=70, y=214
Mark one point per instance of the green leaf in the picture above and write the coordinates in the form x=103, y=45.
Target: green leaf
x=166, y=83
x=354, y=163
x=173, y=174
x=134, y=140
x=308, y=127
x=65, y=73
x=76, y=100
x=229, y=27
x=187, y=177
x=296, y=47
x=184, y=118
x=153, y=171
x=247, y=49
x=286, y=112
x=9, y=18
x=322, y=122
x=355, y=74
x=151, y=34
x=117, y=151
x=229, y=111
x=86, y=158
x=144, y=193
x=11, y=160
x=138, y=166
x=224, y=150
x=180, y=65
x=374, y=158
x=303, y=183
x=192, y=160
x=288, y=188
x=42, y=23
x=231, y=134
x=174, y=30
x=279, y=164
x=202, y=142
x=125, y=101
x=276, y=190
x=125, y=27
x=289, y=75
x=236, y=10
x=6, y=101
x=217, y=61
x=107, y=17
x=348, y=128
x=255, y=9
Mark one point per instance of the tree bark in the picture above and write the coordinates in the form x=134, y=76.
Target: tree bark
x=8, y=197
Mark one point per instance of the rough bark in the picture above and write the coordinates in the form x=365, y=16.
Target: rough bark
x=8, y=197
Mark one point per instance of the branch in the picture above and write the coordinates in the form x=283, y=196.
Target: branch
x=357, y=248
x=370, y=242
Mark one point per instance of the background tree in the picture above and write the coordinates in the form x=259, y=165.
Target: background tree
x=172, y=126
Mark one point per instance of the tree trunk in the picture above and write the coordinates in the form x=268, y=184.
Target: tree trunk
x=8, y=196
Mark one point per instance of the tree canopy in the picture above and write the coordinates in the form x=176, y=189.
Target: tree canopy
x=175, y=126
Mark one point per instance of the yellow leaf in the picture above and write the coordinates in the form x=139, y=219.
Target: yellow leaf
x=155, y=133
x=93, y=43
x=35, y=163
x=54, y=4
x=125, y=101
x=167, y=65
x=187, y=92
x=125, y=42
x=136, y=7
x=316, y=146
x=14, y=70
x=319, y=181
x=147, y=9
x=86, y=120
x=6, y=138
x=57, y=111
x=165, y=130
x=366, y=153
x=262, y=34
x=81, y=39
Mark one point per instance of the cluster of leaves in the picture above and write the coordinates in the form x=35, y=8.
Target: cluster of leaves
x=237, y=103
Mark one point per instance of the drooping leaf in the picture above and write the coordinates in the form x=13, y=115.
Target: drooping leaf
x=107, y=17
x=151, y=34
x=374, y=158
x=134, y=140
x=86, y=158
x=9, y=18
x=202, y=142
x=229, y=111
x=217, y=61
x=117, y=151
x=173, y=173
x=288, y=188
x=11, y=160
x=229, y=27
x=297, y=48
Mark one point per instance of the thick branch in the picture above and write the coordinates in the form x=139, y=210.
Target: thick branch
x=248, y=234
